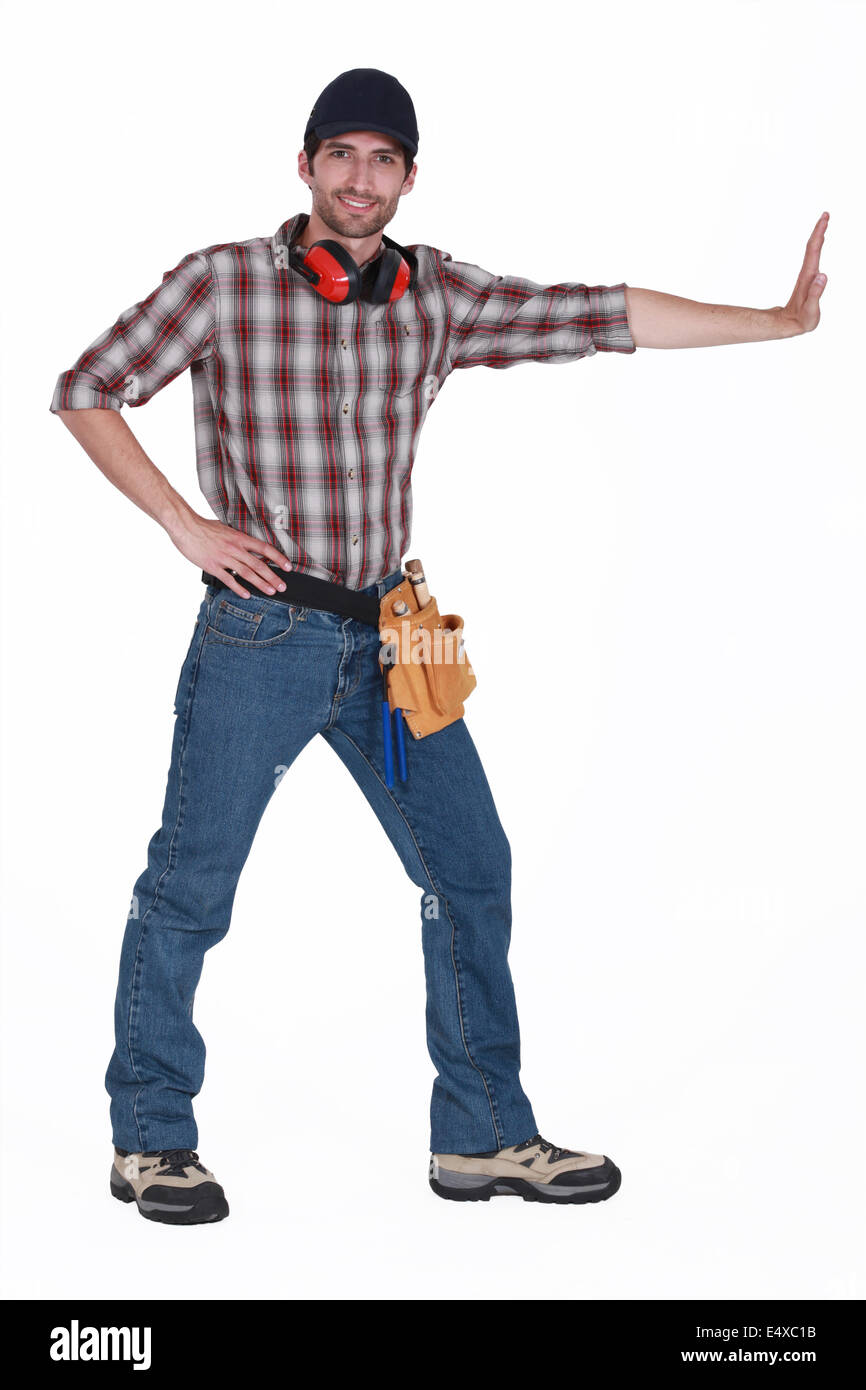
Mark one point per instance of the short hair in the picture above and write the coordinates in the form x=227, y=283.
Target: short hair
x=312, y=143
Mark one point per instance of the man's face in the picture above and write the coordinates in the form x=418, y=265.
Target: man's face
x=360, y=167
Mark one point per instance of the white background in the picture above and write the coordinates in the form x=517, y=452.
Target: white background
x=682, y=783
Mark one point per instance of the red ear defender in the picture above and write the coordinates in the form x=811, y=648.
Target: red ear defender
x=392, y=279
x=330, y=270
x=336, y=277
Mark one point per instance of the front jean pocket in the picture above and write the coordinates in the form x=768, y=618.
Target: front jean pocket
x=251, y=622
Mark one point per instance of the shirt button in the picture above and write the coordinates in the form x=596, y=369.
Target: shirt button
x=345, y=407
x=351, y=472
x=354, y=540
x=342, y=342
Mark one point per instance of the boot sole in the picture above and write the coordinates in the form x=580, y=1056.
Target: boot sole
x=211, y=1208
x=471, y=1187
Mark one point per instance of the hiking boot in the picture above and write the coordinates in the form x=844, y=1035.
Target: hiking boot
x=534, y=1170
x=169, y=1185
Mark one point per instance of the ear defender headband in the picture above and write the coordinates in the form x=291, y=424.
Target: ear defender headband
x=334, y=274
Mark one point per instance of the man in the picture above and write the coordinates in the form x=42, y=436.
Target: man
x=313, y=369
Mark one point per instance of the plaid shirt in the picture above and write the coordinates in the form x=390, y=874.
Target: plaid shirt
x=307, y=413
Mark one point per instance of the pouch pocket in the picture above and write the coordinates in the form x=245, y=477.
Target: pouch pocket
x=432, y=675
x=450, y=673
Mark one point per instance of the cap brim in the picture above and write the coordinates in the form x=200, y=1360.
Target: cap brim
x=343, y=127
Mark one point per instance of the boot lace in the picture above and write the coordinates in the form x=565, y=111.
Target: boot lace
x=172, y=1162
x=554, y=1154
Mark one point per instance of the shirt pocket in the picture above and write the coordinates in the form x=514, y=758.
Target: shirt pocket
x=402, y=357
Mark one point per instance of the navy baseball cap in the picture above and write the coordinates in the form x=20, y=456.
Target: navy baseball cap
x=365, y=99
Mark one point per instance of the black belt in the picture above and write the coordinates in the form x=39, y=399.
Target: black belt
x=307, y=591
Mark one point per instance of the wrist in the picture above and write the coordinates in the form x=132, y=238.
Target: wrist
x=175, y=515
x=781, y=325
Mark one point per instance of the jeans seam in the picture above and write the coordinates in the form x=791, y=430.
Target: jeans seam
x=487, y=1088
x=497, y=1132
x=335, y=703
x=134, y=989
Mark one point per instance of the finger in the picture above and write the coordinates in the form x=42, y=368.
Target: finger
x=813, y=253
x=809, y=269
x=249, y=571
x=259, y=574
x=816, y=241
x=229, y=581
x=256, y=569
x=268, y=550
x=818, y=230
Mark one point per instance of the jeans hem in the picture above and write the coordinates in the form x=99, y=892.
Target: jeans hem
x=512, y=1134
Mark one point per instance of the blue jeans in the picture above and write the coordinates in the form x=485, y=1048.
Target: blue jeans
x=260, y=679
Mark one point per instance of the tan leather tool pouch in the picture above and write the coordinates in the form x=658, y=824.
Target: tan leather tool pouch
x=431, y=675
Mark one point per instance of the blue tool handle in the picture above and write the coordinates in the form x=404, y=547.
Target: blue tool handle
x=389, y=751
x=401, y=744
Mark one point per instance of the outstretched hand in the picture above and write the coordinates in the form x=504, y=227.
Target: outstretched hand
x=802, y=312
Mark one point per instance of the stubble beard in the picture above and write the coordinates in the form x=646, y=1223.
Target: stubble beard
x=335, y=217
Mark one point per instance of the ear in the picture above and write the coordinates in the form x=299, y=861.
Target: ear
x=304, y=171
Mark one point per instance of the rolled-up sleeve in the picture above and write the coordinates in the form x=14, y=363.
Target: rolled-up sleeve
x=150, y=344
x=500, y=320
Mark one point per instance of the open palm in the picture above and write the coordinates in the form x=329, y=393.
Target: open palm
x=803, y=309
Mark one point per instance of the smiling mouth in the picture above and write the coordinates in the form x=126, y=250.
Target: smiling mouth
x=355, y=204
